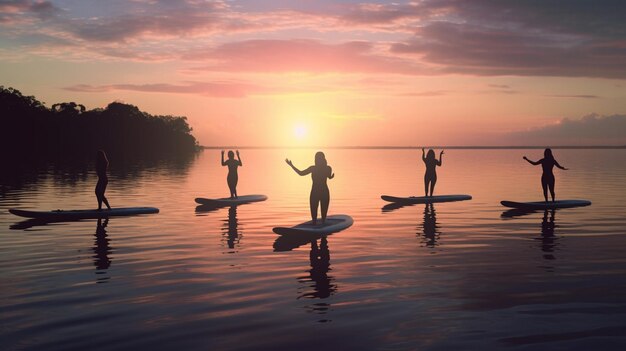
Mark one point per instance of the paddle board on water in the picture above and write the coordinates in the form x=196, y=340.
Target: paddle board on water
x=84, y=214
x=333, y=224
x=542, y=205
x=425, y=199
x=227, y=201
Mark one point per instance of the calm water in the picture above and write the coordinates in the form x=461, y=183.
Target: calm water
x=454, y=276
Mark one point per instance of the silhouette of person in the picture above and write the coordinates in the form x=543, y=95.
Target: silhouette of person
x=547, y=178
x=232, y=177
x=430, y=177
x=102, y=164
x=320, y=194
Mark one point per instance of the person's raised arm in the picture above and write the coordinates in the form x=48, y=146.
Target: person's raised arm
x=331, y=175
x=305, y=172
x=239, y=158
x=423, y=155
x=534, y=163
x=440, y=158
x=223, y=163
x=559, y=166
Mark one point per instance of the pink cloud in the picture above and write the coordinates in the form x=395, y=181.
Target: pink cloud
x=302, y=56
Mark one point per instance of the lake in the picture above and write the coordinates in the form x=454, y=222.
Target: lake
x=452, y=276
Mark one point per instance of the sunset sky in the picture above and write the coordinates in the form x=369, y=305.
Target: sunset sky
x=334, y=73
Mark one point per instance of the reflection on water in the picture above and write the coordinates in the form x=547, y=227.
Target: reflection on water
x=499, y=280
x=548, y=239
x=102, y=250
x=230, y=231
x=430, y=226
x=319, y=285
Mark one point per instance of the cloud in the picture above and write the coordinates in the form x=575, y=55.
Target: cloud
x=164, y=20
x=592, y=129
x=430, y=93
x=221, y=89
x=581, y=96
x=529, y=38
x=370, y=13
x=499, y=86
x=479, y=37
x=301, y=56
x=14, y=12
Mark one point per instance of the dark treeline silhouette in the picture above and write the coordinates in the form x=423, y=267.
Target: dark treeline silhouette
x=68, y=130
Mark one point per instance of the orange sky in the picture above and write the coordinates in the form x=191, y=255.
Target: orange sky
x=333, y=73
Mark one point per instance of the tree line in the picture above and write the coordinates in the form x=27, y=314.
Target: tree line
x=68, y=130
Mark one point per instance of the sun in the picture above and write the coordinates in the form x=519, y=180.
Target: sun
x=300, y=131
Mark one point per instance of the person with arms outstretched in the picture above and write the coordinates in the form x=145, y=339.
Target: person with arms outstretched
x=320, y=195
x=547, y=178
x=430, y=177
x=102, y=164
x=232, y=177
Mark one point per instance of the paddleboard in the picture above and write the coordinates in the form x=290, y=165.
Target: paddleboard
x=84, y=214
x=227, y=201
x=425, y=199
x=333, y=224
x=542, y=205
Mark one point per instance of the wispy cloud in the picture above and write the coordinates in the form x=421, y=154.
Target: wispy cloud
x=581, y=96
x=214, y=89
x=428, y=93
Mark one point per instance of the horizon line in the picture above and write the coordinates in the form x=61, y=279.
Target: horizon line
x=400, y=147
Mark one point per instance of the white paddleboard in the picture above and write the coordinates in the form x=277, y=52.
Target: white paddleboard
x=84, y=214
x=542, y=205
x=333, y=224
x=227, y=201
x=425, y=199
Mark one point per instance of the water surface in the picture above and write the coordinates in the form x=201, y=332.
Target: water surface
x=462, y=275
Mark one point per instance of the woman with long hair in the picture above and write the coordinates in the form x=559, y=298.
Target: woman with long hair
x=102, y=164
x=547, y=178
x=232, y=177
x=430, y=177
x=320, y=195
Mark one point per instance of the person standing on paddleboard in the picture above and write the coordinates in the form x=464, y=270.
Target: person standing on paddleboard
x=102, y=164
x=430, y=177
x=547, y=178
x=320, y=195
x=232, y=177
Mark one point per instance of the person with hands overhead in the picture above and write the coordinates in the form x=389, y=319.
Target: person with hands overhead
x=430, y=177
x=232, y=177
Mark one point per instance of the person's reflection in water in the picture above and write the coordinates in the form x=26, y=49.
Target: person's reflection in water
x=548, y=239
x=231, y=232
x=322, y=284
x=101, y=250
x=431, y=229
